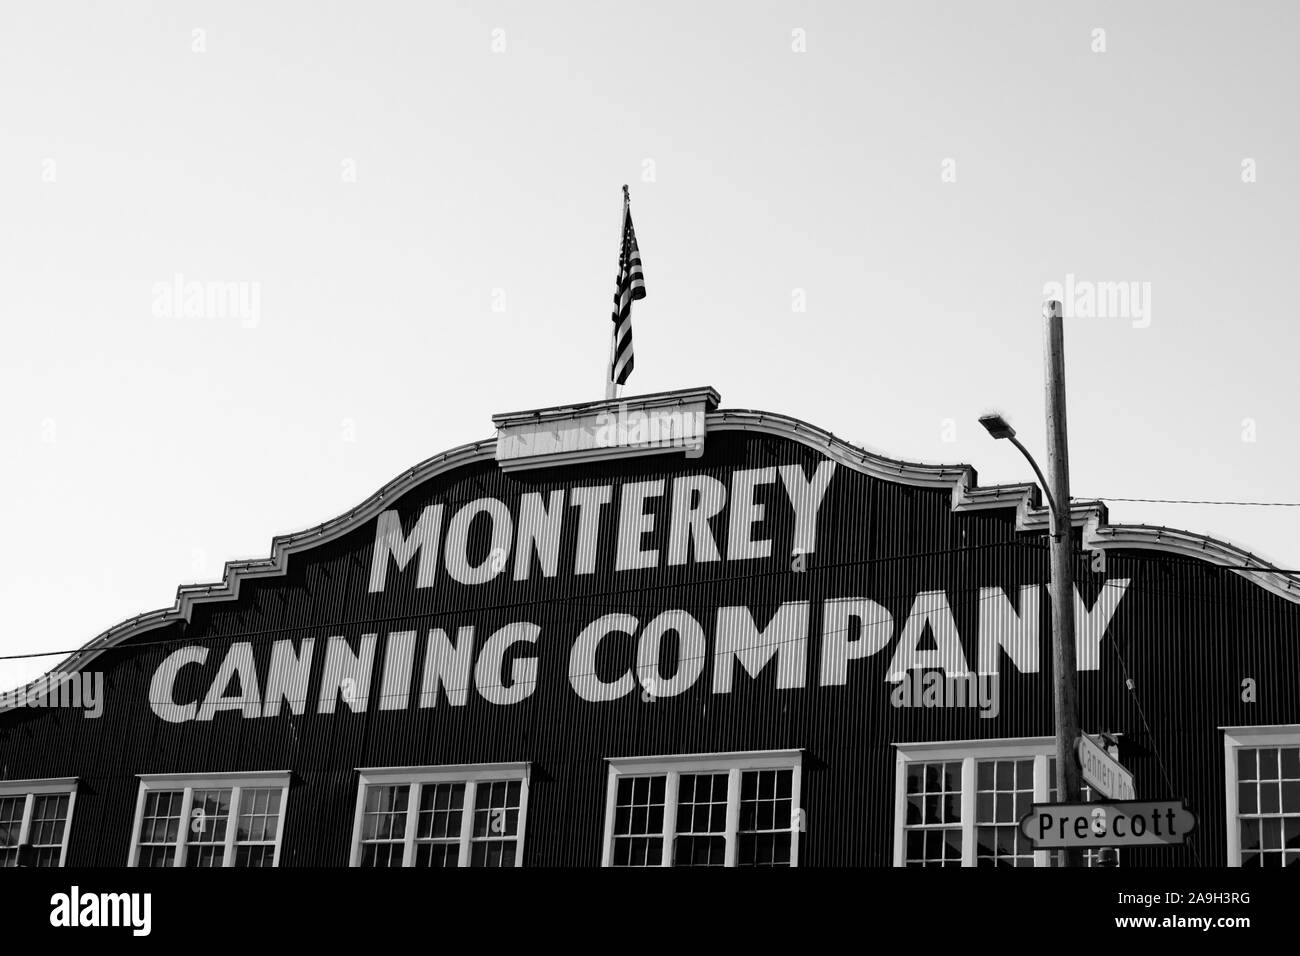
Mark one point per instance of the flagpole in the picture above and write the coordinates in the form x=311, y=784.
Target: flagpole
x=611, y=389
x=609, y=367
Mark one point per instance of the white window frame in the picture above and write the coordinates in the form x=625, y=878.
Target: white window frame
x=469, y=774
x=188, y=783
x=733, y=764
x=968, y=752
x=34, y=788
x=1234, y=738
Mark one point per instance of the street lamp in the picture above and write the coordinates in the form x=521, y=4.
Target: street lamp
x=1065, y=699
x=999, y=427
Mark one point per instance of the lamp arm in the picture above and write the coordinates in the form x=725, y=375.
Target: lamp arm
x=1047, y=489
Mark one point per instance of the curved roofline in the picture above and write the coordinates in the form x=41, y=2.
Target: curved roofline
x=1031, y=514
x=960, y=479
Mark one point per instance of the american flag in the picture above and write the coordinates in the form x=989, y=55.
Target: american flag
x=630, y=287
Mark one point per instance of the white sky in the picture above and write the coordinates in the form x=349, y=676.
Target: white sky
x=141, y=452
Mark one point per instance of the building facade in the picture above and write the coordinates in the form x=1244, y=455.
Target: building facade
x=656, y=632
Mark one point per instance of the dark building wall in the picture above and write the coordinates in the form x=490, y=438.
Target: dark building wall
x=1185, y=633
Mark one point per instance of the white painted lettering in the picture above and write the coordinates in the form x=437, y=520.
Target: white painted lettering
x=634, y=523
x=738, y=639
x=697, y=499
x=745, y=513
x=582, y=659
x=489, y=678
x=456, y=555
x=389, y=541
x=839, y=615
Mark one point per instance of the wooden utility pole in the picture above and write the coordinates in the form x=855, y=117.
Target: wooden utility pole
x=1064, y=671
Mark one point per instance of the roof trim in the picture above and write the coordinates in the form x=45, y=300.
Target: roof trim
x=9, y=788
x=1031, y=516
x=681, y=396
x=282, y=547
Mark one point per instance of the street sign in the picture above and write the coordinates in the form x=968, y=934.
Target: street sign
x=1103, y=772
x=1052, y=826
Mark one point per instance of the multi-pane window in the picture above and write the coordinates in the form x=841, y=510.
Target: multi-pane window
x=1268, y=805
x=259, y=827
x=1004, y=792
x=211, y=821
x=437, y=837
x=703, y=810
x=12, y=811
x=206, y=834
x=34, y=821
x=1263, y=766
x=441, y=816
x=383, y=829
x=495, y=840
x=701, y=820
x=933, y=829
x=638, y=835
x=766, y=811
x=159, y=827
x=960, y=804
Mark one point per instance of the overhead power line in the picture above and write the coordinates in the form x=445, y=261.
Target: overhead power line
x=1197, y=501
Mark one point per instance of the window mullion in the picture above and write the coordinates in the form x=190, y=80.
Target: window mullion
x=279, y=824
x=733, y=816
x=611, y=801
x=412, y=824
x=467, y=823
x=182, y=831
x=25, y=828
x=138, y=830
x=67, y=828
x=1230, y=803
x=359, y=823
x=900, y=808
x=232, y=826
x=1041, y=795
x=797, y=821
x=968, y=785
x=523, y=820
x=670, y=818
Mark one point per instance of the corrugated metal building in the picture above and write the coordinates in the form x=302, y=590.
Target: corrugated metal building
x=653, y=632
